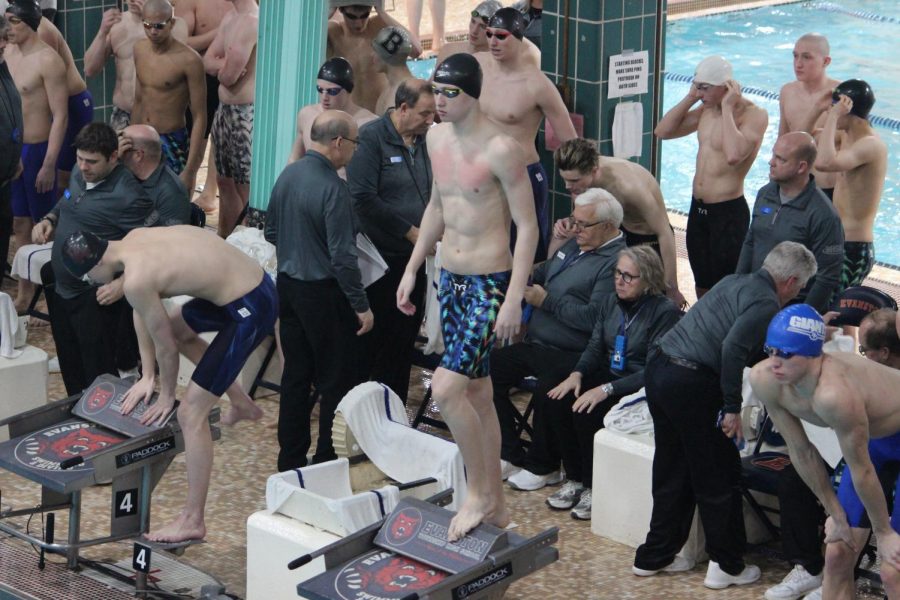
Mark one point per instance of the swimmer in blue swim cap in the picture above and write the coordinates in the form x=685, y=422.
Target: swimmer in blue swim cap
x=857, y=399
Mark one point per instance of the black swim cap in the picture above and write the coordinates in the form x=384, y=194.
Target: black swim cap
x=337, y=70
x=461, y=70
x=82, y=251
x=27, y=10
x=509, y=19
x=859, y=91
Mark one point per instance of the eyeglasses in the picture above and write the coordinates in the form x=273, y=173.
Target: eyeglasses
x=773, y=352
x=578, y=225
x=157, y=26
x=330, y=91
x=703, y=87
x=450, y=92
x=863, y=350
x=499, y=35
x=13, y=20
x=355, y=16
x=626, y=277
x=349, y=139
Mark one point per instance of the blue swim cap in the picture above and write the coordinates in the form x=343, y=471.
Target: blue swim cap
x=797, y=329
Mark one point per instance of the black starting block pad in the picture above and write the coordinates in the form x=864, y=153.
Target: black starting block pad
x=407, y=556
x=102, y=403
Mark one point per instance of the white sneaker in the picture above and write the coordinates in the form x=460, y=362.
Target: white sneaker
x=679, y=565
x=717, y=579
x=582, y=510
x=53, y=365
x=526, y=481
x=567, y=496
x=794, y=585
x=816, y=594
x=507, y=469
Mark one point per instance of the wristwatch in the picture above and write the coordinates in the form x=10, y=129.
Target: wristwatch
x=607, y=388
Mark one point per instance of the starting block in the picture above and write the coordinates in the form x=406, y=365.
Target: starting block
x=407, y=555
x=84, y=440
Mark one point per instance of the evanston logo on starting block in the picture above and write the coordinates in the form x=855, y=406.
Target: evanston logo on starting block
x=46, y=449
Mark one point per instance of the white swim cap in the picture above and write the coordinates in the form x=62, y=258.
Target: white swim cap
x=713, y=70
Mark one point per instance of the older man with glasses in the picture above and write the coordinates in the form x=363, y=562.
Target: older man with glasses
x=563, y=301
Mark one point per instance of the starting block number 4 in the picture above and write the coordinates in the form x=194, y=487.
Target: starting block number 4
x=140, y=561
x=126, y=503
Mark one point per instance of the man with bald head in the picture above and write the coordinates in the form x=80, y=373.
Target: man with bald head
x=323, y=303
x=792, y=208
x=169, y=79
x=803, y=102
x=334, y=83
x=140, y=150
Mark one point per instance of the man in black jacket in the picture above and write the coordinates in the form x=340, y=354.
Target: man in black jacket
x=390, y=179
x=104, y=198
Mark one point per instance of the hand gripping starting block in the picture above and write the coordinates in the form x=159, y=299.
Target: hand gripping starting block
x=407, y=556
x=84, y=440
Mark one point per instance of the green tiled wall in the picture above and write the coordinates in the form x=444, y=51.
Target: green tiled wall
x=79, y=21
x=291, y=47
x=599, y=29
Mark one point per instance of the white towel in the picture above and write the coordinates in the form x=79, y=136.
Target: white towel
x=29, y=259
x=435, y=343
x=630, y=415
x=9, y=325
x=378, y=420
x=627, y=129
x=320, y=495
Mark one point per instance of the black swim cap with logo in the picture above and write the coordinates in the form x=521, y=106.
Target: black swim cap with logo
x=461, y=70
x=337, y=70
x=859, y=91
x=509, y=19
x=27, y=10
x=82, y=251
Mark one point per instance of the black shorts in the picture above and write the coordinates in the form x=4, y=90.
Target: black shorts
x=641, y=239
x=715, y=235
x=212, y=103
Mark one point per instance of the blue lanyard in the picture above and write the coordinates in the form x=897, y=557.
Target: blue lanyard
x=568, y=261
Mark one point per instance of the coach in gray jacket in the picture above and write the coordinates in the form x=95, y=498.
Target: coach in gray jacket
x=790, y=208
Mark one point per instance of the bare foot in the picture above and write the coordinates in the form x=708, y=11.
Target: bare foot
x=498, y=518
x=178, y=531
x=35, y=322
x=470, y=516
x=207, y=200
x=242, y=409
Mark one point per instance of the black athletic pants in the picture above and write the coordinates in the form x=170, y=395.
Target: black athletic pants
x=318, y=338
x=695, y=464
x=84, y=333
x=389, y=346
x=575, y=431
x=509, y=365
x=802, y=518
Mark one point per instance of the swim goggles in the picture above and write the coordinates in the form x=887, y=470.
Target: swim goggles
x=450, y=92
x=157, y=26
x=330, y=91
x=773, y=352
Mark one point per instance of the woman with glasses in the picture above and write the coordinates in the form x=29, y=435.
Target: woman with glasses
x=611, y=366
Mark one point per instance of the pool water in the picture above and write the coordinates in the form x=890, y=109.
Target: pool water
x=759, y=44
